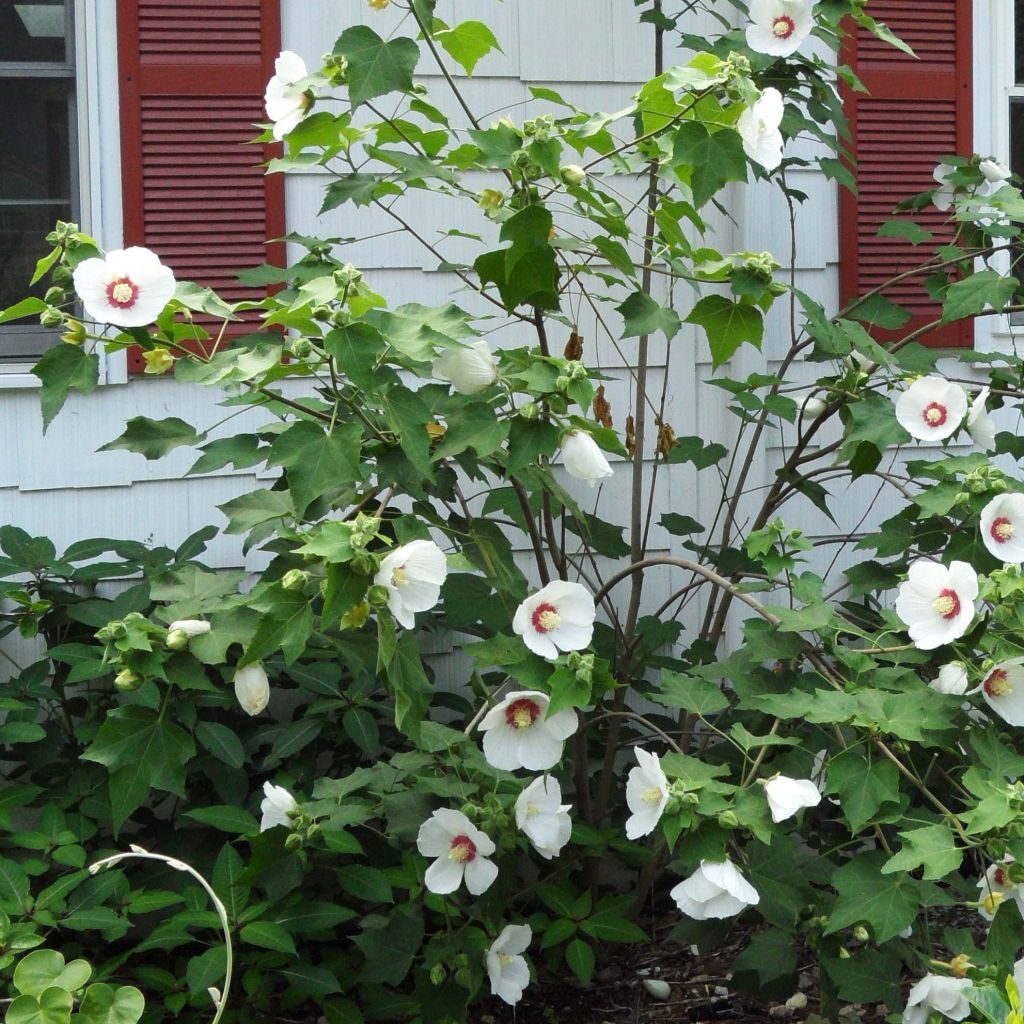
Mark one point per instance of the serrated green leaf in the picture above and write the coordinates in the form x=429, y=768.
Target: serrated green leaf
x=63, y=369
x=728, y=325
x=153, y=439
x=467, y=43
x=376, y=66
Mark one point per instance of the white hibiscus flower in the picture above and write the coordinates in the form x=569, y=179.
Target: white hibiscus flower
x=759, y=129
x=1003, y=691
x=786, y=796
x=286, y=101
x=994, y=887
x=932, y=408
x=278, y=806
x=936, y=603
x=506, y=968
x=1002, y=527
x=952, y=679
x=714, y=890
x=778, y=27
x=646, y=794
x=412, y=574
x=942, y=197
x=937, y=992
x=127, y=287
x=469, y=368
x=995, y=172
x=558, y=617
x=541, y=814
x=979, y=424
x=583, y=459
x=518, y=735
x=460, y=850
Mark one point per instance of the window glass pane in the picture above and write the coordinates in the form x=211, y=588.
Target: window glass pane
x=33, y=30
x=35, y=176
x=1017, y=135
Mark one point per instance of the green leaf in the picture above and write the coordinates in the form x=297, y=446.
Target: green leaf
x=221, y=741
x=887, y=904
x=467, y=43
x=579, y=955
x=361, y=728
x=376, y=66
x=408, y=414
x=713, y=157
x=26, y=307
x=153, y=439
x=389, y=945
x=51, y=1007
x=226, y=818
x=983, y=290
x=360, y=188
x=770, y=954
x=932, y=847
x=528, y=440
x=62, y=369
x=473, y=426
x=317, y=461
x=691, y=693
x=609, y=926
x=14, y=886
x=568, y=690
x=863, y=788
x=287, y=625
x=680, y=525
x=643, y=316
x=104, y=1004
x=45, y=968
x=728, y=325
x=268, y=935
x=255, y=508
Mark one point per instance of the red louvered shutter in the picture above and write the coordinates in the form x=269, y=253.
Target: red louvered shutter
x=192, y=77
x=915, y=112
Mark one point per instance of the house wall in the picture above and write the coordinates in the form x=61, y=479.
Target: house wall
x=592, y=51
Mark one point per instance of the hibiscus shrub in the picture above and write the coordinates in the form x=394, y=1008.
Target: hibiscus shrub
x=818, y=739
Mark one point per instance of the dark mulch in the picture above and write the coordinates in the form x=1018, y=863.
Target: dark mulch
x=700, y=990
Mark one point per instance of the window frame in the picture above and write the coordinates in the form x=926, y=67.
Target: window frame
x=31, y=340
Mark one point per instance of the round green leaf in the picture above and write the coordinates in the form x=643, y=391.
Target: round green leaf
x=104, y=1004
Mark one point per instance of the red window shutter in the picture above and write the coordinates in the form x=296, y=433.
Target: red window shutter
x=915, y=112
x=192, y=77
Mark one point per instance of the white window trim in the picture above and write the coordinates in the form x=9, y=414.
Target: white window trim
x=994, y=86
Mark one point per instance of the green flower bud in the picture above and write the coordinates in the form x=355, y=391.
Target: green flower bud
x=998, y=485
x=860, y=933
x=507, y=841
x=313, y=831
x=346, y=276
x=529, y=411
x=340, y=318
x=54, y=296
x=728, y=819
x=294, y=842
x=377, y=595
x=356, y=616
x=844, y=954
x=962, y=500
x=470, y=810
x=294, y=579
x=438, y=974
x=737, y=66
x=562, y=382
x=302, y=348
x=364, y=562
x=575, y=370
x=62, y=276
x=572, y=174
x=177, y=640
x=464, y=977
x=126, y=680
x=51, y=317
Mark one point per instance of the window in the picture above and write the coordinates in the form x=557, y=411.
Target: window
x=37, y=169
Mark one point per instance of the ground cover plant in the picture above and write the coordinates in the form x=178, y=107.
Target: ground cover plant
x=826, y=748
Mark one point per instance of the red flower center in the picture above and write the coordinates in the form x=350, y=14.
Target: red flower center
x=463, y=849
x=545, y=618
x=997, y=684
x=522, y=713
x=122, y=292
x=947, y=604
x=1002, y=530
x=783, y=26
x=934, y=414
x=999, y=876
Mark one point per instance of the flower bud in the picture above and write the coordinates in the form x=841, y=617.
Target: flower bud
x=573, y=174
x=302, y=348
x=562, y=382
x=437, y=972
x=177, y=640
x=507, y=841
x=294, y=579
x=844, y=954
x=379, y=5
x=860, y=933
x=340, y=318
x=728, y=819
x=126, y=680
x=62, y=276
x=51, y=317
x=470, y=810
x=490, y=200
x=377, y=595
x=346, y=276
x=75, y=333
x=529, y=411
x=54, y=296
x=252, y=688
x=294, y=842
x=813, y=408
x=313, y=831
x=157, y=360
